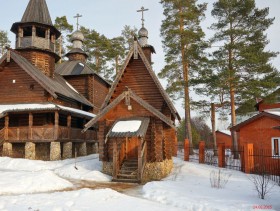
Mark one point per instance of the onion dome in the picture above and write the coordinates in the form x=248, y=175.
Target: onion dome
x=143, y=36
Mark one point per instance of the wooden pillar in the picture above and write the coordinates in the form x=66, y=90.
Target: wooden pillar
x=139, y=158
x=30, y=125
x=101, y=140
x=201, y=152
x=6, y=132
x=33, y=35
x=221, y=156
x=158, y=140
x=69, y=119
x=248, y=157
x=186, y=150
x=115, y=158
x=56, y=125
x=175, y=146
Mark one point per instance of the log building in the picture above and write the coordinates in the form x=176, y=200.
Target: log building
x=42, y=114
x=136, y=129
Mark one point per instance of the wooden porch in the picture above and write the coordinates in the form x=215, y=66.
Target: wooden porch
x=134, y=171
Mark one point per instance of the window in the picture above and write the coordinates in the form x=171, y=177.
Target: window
x=275, y=146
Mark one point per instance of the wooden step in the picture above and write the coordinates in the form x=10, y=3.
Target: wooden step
x=126, y=180
x=127, y=176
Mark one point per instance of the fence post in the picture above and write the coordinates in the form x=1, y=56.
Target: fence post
x=221, y=155
x=248, y=157
x=187, y=150
x=201, y=152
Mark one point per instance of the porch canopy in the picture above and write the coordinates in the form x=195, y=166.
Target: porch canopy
x=4, y=109
x=133, y=127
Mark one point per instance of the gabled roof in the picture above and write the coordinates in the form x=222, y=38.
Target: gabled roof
x=151, y=72
x=126, y=123
x=71, y=68
x=136, y=98
x=225, y=132
x=272, y=113
x=56, y=86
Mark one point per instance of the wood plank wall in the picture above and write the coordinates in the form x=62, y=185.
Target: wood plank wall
x=138, y=79
x=18, y=87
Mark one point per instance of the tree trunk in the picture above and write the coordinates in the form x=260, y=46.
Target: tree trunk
x=232, y=95
x=213, y=121
x=188, y=129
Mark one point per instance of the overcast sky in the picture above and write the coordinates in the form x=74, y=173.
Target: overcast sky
x=109, y=16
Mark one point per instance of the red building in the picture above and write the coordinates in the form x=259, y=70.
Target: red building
x=263, y=131
x=224, y=137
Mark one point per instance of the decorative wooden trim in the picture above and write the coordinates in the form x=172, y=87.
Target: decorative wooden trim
x=56, y=125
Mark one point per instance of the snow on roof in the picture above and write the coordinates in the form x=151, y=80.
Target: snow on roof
x=71, y=87
x=275, y=111
x=127, y=126
x=37, y=107
x=227, y=132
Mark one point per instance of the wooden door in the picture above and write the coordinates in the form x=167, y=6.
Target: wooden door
x=132, y=148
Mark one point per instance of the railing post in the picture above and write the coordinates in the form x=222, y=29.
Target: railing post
x=201, y=152
x=115, y=158
x=221, y=155
x=248, y=157
x=187, y=150
x=139, y=158
x=30, y=125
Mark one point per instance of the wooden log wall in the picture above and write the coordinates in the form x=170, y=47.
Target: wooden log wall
x=18, y=87
x=101, y=137
x=80, y=83
x=42, y=60
x=168, y=141
x=138, y=79
x=100, y=91
x=158, y=140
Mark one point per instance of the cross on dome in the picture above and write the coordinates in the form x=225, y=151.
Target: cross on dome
x=78, y=16
x=142, y=10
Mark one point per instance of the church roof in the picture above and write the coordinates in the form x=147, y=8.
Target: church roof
x=37, y=11
x=151, y=72
x=137, y=99
x=56, y=86
x=71, y=68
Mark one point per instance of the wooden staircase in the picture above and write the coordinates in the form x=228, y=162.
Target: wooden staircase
x=128, y=172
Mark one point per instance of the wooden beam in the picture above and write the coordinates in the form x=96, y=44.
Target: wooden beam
x=56, y=125
x=30, y=125
x=69, y=119
x=115, y=158
x=6, y=135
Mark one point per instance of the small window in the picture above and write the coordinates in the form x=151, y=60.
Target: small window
x=275, y=146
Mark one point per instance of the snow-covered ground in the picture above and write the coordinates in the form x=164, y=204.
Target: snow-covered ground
x=39, y=185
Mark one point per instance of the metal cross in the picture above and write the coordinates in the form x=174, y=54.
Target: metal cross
x=78, y=16
x=142, y=10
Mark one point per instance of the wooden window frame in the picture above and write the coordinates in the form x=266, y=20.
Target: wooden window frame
x=277, y=146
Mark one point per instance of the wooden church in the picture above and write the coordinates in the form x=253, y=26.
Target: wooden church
x=136, y=129
x=43, y=110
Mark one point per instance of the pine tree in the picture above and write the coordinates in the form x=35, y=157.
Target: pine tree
x=4, y=41
x=64, y=27
x=183, y=45
x=240, y=33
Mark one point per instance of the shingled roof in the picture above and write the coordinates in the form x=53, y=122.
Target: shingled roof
x=56, y=86
x=71, y=68
x=36, y=12
x=136, y=98
x=151, y=72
